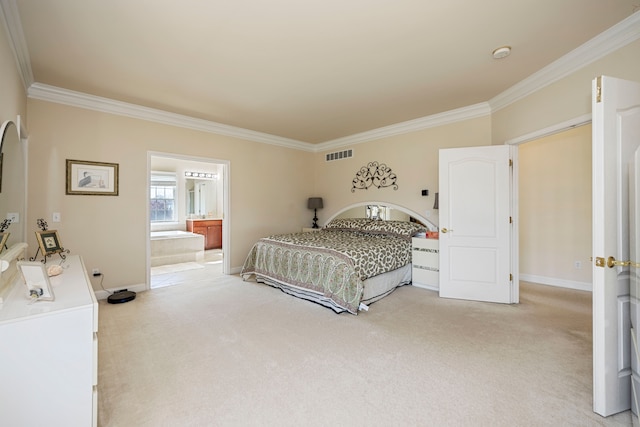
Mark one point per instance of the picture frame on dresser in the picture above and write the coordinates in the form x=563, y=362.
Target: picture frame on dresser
x=36, y=279
x=3, y=241
x=49, y=242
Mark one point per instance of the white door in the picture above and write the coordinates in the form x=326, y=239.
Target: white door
x=634, y=247
x=475, y=224
x=616, y=135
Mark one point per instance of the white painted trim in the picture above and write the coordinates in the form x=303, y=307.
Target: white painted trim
x=226, y=208
x=106, y=105
x=616, y=37
x=560, y=283
x=551, y=130
x=13, y=25
x=428, y=287
x=460, y=114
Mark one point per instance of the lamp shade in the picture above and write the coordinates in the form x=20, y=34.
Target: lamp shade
x=314, y=203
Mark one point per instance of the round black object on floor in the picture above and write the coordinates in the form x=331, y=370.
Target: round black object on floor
x=121, y=296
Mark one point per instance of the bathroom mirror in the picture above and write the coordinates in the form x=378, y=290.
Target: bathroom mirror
x=202, y=198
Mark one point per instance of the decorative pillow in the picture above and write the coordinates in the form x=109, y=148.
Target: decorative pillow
x=395, y=228
x=353, y=224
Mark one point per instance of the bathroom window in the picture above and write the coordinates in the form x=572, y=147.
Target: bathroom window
x=163, y=197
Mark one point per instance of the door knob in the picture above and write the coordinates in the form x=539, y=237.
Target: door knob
x=444, y=230
x=611, y=262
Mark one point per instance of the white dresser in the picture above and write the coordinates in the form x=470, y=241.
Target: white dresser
x=49, y=353
x=425, y=263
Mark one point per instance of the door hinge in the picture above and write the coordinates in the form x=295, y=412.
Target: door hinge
x=510, y=162
x=510, y=277
x=598, y=89
x=510, y=220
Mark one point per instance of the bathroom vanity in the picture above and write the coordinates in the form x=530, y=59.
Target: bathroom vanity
x=211, y=229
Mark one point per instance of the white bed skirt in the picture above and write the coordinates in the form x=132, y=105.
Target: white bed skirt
x=375, y=288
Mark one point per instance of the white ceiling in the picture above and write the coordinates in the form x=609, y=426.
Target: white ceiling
x=307, y=70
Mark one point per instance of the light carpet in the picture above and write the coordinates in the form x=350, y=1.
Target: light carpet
x=224, y=352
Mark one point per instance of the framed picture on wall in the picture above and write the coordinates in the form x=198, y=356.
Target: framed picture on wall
x=92, y=178
x=49, y=242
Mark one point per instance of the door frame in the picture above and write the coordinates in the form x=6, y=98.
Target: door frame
x=226, y=223
x=516, y=142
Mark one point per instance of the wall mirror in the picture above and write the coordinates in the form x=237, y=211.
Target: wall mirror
x=12, y=182
x=13, y=190
x=201, y=198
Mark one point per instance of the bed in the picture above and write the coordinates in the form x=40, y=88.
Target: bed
x=346, y=266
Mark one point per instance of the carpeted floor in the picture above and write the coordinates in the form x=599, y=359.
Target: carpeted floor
x=223, y=352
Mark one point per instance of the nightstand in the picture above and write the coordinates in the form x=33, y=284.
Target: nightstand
x=425, y=259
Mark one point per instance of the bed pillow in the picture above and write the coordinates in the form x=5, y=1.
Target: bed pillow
x=404, y=229
x=351, y=224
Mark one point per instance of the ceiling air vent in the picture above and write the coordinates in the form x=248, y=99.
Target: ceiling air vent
x=339, y=155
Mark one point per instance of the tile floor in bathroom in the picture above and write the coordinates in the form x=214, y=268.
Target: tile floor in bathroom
x=187, y=272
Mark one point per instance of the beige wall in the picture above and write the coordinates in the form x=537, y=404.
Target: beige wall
x=555, y=207
x=269, y=185
x=413, y=157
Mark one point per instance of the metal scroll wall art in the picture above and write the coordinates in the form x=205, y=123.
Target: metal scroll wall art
x=377, y=174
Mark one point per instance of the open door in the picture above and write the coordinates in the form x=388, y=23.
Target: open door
x=476, y=224
x=634, y=235
x=616, y=136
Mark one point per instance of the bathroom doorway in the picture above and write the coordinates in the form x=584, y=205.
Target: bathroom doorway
x=188, y=219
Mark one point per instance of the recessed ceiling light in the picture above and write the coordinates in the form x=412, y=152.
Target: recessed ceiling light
x=501, y=52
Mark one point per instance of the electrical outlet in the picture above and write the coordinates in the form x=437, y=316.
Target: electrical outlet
x=96, y=271
x=578, y=265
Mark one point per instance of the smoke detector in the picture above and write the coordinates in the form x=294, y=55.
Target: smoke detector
x=501, y=52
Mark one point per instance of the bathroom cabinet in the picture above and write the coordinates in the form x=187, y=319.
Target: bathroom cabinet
x=211, y=229
x=49, y=357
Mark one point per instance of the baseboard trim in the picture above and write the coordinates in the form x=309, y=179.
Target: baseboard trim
x=560, y=283
x=104, y=294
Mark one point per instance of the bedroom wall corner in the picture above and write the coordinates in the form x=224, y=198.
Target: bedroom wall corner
x=14, y=99
x=269, y=185
x=413, y=157
x=565, y=99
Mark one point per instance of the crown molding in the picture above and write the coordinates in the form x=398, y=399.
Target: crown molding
x=105, y=105
x=616, y=37
x=551, y=130
x=460, y=114
x=12, y=23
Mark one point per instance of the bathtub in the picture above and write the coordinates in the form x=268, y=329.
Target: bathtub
x=175, y=246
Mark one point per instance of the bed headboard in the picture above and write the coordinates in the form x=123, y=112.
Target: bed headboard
x=383, y=211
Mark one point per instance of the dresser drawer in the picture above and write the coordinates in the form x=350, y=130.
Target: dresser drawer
x=425, y=263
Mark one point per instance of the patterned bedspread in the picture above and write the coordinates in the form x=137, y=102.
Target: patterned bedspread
x=330, y=262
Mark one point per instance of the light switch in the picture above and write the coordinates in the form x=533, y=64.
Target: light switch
x=56, y=217
x=14, y=217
